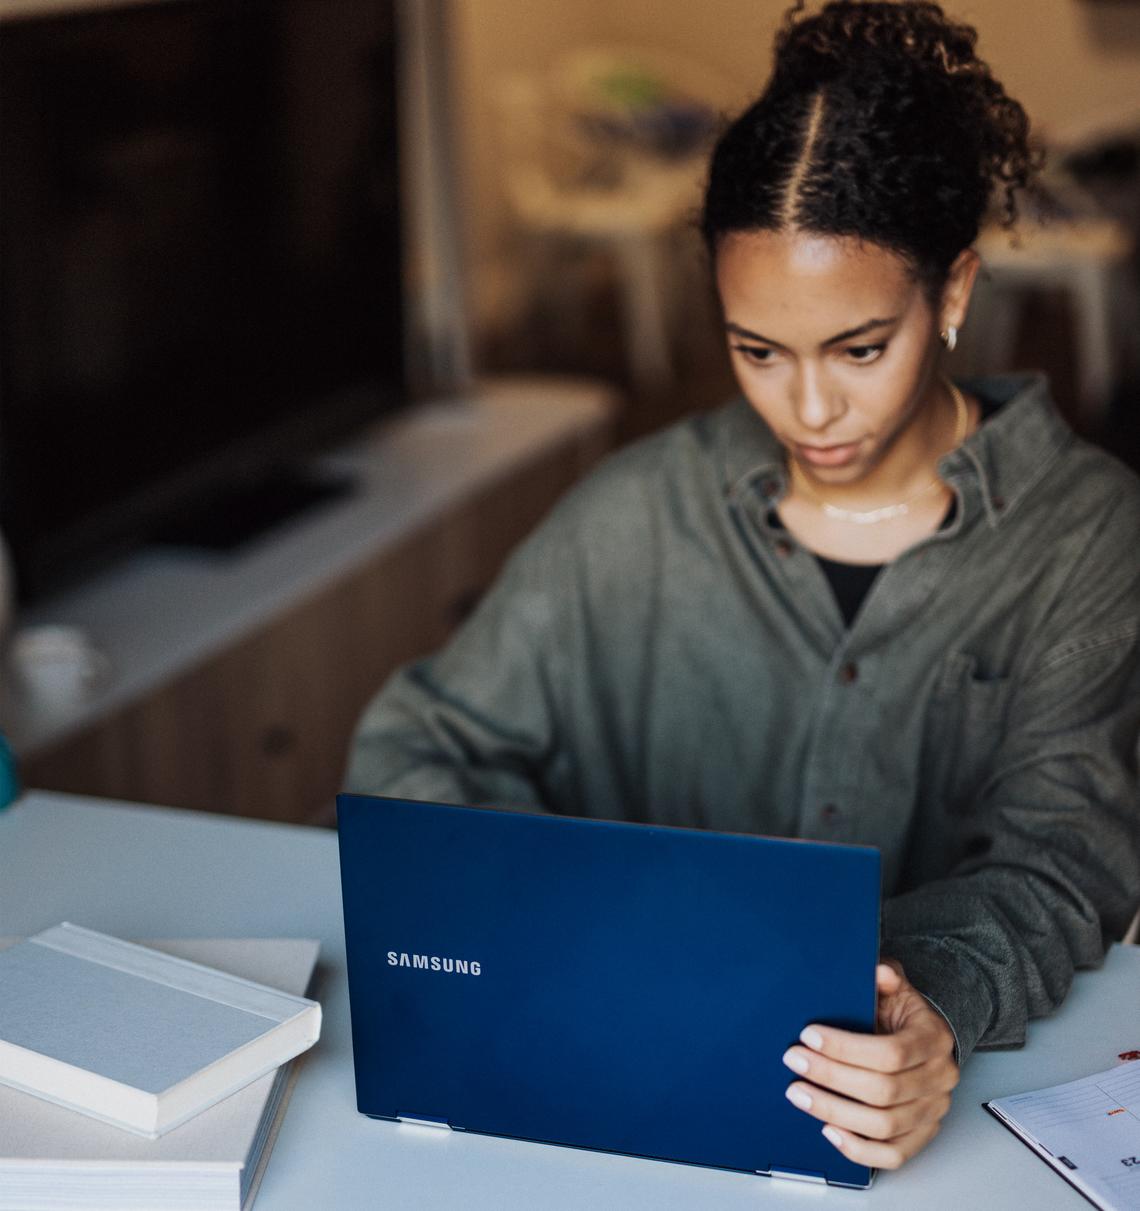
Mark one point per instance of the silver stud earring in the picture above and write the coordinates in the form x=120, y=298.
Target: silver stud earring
x=950, y=338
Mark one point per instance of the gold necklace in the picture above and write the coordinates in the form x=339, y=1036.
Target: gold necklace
x=871, y=517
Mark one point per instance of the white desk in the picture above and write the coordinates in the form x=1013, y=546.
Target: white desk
x=141, y=872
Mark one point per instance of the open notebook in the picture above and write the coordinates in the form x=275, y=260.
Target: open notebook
x=1087, y=1130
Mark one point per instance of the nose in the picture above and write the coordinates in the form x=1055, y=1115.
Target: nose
x=816, y=405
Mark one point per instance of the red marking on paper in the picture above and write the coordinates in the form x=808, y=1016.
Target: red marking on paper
x=1129, y=1055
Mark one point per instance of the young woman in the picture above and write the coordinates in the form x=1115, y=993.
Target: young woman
x=861, y=603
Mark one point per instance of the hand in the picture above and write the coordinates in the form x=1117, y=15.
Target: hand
x=882, y=1096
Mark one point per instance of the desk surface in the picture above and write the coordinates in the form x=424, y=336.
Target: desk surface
x=141, y=872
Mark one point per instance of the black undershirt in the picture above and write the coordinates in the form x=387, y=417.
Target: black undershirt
x=850, y=582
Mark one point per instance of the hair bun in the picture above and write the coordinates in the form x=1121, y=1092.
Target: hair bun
x=879, y=121
x=932, y=64
x=849, y=35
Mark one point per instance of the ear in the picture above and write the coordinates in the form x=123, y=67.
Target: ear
x=955, y=300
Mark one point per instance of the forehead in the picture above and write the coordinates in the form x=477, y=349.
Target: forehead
x=795, y=282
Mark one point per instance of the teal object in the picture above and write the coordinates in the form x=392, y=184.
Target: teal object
x=9, y=783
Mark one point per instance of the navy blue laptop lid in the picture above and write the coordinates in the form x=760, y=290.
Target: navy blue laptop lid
x=604, y=985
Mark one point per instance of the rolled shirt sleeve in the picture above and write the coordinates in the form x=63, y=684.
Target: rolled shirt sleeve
x=1055, y=867
x=476, y=723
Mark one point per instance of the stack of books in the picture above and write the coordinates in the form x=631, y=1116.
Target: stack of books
x=149, y=1076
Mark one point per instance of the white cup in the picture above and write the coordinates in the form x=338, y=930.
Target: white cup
x=57, y=665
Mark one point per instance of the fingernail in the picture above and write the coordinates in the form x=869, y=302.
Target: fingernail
x=811, y=1037
x=833, y=1136
x=795, y=1062
x=797, y=1097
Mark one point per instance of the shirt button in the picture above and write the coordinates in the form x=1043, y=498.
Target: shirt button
x=998, y=502
x=829, y=813
x=849, y=672
x=783, y=547
x=769, y=487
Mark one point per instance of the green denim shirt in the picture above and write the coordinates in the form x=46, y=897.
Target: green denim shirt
x=658, y=651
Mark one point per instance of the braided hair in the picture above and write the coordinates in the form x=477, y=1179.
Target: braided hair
x=881, y=122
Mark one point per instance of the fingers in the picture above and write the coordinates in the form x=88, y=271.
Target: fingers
x=882, y=1154
x=881, y=1052
x=888, y=979
x=880, y=1097
x=875, y=1087
x=874, y=1122
x=920, y=1036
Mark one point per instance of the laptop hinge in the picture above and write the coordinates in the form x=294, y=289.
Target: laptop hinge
x=798, y=1175
x=418, y=1121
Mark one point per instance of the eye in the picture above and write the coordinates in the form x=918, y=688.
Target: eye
x=756, y=354
x=864, y=354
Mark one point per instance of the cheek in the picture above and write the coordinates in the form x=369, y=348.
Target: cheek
x=877, y=395
x=890, y=410
x=889, y=386
x=910, y=356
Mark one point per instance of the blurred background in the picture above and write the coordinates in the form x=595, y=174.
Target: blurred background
x=1074, y=65
x=310, y=309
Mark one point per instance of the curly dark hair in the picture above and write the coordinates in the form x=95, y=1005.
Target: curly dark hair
x=879, y=121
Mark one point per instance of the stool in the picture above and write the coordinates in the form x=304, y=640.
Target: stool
x=1088, y=259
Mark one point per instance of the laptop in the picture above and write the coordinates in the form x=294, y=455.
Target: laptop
x=623, y=987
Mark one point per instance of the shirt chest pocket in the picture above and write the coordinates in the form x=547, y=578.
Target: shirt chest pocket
x=965, y=724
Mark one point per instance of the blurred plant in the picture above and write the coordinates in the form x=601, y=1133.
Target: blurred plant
x=638, y=108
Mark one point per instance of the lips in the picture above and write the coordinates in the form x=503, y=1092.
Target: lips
x=827, y=456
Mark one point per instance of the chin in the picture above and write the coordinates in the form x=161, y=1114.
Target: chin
x=850, y=473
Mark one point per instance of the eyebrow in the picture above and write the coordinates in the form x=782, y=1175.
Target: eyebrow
x=845, y=335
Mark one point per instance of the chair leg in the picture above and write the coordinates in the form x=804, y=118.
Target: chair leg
x=987, y=344
x=1092, y=298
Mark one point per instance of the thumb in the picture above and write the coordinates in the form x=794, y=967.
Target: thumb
x=888, y=978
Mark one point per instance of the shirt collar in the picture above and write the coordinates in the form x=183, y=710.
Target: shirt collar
x=1011, y=450
x=1003, y=458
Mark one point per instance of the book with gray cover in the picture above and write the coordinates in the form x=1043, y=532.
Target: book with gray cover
x=57, y=1160
x=138, y=1038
